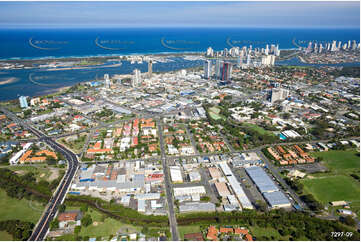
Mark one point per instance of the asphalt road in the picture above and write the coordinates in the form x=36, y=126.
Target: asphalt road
x=168, y=187
x=41, y=229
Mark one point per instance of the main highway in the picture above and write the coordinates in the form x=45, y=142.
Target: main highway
x=42, y=227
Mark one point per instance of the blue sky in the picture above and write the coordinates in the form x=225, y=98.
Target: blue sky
x=180, y=14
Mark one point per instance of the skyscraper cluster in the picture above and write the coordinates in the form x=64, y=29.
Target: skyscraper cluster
x=245, y=57
x=222, y=70
x=331, y=46
x=244, y=51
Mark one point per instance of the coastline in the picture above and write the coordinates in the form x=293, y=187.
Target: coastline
x=103, y=56
x=109, y=56
x=52, y=89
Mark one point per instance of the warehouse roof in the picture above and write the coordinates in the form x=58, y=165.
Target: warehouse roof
x=238, y=190
x=196, y=206
x=275, y=199
x=261, y=179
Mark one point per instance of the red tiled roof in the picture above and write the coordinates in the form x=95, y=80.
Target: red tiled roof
x=226, y=230
x=194, y=236
x=69, y=216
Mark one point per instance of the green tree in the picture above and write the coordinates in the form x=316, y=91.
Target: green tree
x=348, y=220
x=62, y=208
x=77, y=230
x=54, y=224
x=86, y=220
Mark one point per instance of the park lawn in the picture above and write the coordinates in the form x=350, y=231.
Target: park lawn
x=12, y=208
x=258, y=129
x=5, y=236
x=340, y=160
x=188, y=229
x=334, y=188
x=109, y=227
x=216, y=116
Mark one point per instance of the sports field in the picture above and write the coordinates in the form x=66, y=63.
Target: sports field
x=333, y=188
x=340, y=160
x=336, y=185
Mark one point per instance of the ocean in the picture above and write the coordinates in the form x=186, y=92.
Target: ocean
x=45, y=43
x=63, y=43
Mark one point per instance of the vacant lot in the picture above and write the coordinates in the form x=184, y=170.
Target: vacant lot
x=42, y=172
x=11, y=208
x=105, y=226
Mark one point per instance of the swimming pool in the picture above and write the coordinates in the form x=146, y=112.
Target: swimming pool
x=282, y=137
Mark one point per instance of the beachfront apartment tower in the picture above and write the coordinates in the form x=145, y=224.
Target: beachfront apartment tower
x=150, y=69
x=23, y=102
x=136, y=78
x=218, y=66
x=207, y=69
x=226, y=71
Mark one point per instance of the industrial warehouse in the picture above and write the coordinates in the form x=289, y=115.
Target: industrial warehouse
x=133, y=184
x=269, y=190
x=237, y=189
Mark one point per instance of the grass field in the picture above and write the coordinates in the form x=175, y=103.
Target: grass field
x=339, y=160
x=258, y=129
x=66, y=237
x=188, y=229
x=334, y=188
x=104, y=226
x=11, y=208
x=5, y=236
x=108, y=227
x=267, y=232
x=337, y=184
